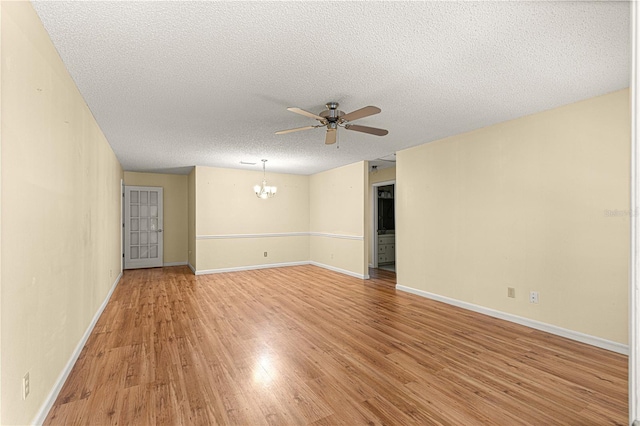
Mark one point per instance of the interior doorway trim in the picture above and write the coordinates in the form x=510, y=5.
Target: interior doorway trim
x=122, y=225
x=143, y=227
x=634, y=278
x=374, y=219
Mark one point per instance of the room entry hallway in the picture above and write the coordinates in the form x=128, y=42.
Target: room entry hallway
x=303, y=345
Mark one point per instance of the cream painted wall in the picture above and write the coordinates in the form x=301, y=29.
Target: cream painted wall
x=61, y=204
x=191, y=210
x=337, y=209
x=524, y=204
x=175, y=203
x=234, y=253
x=383, y=175
x=227, y=206
x=0, y=221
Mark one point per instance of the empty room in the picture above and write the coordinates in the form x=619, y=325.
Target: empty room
x=319, y=213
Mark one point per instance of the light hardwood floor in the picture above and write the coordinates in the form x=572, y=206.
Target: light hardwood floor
x=303, y=345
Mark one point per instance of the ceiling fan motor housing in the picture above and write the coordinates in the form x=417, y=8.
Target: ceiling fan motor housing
x=332, y=113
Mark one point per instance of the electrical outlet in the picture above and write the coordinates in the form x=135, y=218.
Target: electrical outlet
x=511, y=292
x=533, y=297
x=26, y=387
x=110, y=273
x=265, y=254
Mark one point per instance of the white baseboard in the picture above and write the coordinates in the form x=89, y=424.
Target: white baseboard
x=53, y=394
x=192, y=268
x=174, y=263
x=277, y=265
x=248, y=268
x=342, y=271
x=549, y=328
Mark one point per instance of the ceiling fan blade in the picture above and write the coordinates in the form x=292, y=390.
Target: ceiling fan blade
x=306, y=113
x=365, y=129
x=331, y=137
x=361, y=113
x=297, y=129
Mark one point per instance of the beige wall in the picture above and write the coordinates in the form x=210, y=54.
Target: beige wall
x=523, y=204
x=337, y=212
x=61, y=205
x=233, y=228
x=227, y=207
x=0, y=220
x=383, y=175
x=191, y=210
x=175, y=209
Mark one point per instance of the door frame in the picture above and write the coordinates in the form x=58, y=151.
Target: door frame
x=374, y=221
x=160, y=229
x=122, y=227
x=634, y=267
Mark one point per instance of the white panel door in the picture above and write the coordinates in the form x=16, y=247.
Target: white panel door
x=142, y=227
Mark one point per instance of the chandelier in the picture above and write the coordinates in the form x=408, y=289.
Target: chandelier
x=264, y=191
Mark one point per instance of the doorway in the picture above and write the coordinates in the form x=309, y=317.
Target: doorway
x=143, y=221
x=384, y=229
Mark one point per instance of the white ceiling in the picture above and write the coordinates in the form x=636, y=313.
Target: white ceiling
x=177, y=84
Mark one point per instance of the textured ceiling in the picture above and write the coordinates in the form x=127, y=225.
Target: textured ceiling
x=177, y=84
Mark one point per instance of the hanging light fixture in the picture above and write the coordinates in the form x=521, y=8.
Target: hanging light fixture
x=265, y=191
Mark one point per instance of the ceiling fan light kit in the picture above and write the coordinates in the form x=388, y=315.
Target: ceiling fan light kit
x=265, y=191
x=332, y=118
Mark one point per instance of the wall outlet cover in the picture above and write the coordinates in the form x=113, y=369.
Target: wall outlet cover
x=533, y=297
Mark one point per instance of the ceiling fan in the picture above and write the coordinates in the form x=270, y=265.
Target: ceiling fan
x=332, y=118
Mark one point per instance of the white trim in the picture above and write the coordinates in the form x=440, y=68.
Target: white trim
x=374, y=216
x=342, y=271
x=384, y=183
x=53, y=394
x=174, y=263
x=192, y=268
x=140, y=262
x=248, y=268
x=279, y=234
x=634, y=264
x=374, y=226
x=122, y=223
x=549, y=328
x=341, y=236
x=278, y=265
x=264, y=235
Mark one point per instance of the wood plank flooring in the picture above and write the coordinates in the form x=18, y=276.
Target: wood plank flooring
x=306, y=346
